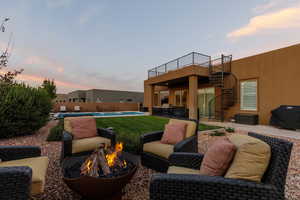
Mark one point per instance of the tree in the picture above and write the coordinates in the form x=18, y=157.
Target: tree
x=50, y=87
x=9, y=76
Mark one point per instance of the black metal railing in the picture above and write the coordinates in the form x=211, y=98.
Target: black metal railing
x=222, y=64
x=193, y=58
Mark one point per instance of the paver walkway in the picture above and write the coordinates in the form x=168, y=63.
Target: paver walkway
x=262, y=129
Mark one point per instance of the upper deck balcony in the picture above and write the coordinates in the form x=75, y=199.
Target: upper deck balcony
x=191, y=59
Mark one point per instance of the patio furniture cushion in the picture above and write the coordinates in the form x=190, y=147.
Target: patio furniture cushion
x=67, y=122
x=83, y=128
x=39, y=167
x=174, y=133
x=251, y=159
x=158, y=148
x=67, y=125
x=191, y=126
x=182, y=170
x=218, y=157
x=88, y=144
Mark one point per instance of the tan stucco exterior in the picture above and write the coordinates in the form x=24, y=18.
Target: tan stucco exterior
x=277, y=72
x=278, y=75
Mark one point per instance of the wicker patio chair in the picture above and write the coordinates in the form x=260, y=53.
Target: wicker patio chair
x=22, y=172
x=79, y=147
x=192, y=187
x=157, y=157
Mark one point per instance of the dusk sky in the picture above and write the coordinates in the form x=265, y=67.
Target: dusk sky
x=110, y=44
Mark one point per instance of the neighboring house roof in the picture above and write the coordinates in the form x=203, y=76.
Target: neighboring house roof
x=103, y=95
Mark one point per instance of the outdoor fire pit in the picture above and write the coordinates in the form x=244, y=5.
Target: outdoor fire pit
x=101, y=175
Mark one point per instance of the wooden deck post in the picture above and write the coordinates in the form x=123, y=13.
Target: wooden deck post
x=193, y=97
x=151, y=99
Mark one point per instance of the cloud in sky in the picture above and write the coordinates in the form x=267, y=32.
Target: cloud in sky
x=268, y=5
x=37, y=81
x=66, y=76
x=44, y=62
x=282, y=19
x=109, y=45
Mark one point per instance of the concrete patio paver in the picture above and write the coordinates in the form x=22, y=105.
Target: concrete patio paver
x=262, y=129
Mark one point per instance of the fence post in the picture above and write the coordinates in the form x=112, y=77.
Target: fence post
x=165, y=68
x=177, y=63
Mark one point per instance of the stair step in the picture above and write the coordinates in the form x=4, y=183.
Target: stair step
x=227, y=90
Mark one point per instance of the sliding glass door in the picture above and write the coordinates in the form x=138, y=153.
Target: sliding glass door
x=206, y=102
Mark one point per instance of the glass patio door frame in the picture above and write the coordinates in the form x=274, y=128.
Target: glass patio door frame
x=205, y=95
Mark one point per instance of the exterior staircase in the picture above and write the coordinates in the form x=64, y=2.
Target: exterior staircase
x=220, y=76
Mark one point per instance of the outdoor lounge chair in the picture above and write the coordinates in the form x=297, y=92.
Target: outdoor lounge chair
x=155, y=155
x=76, y=108
x=62, y=109
x=77, y=147
x=194, y=186
x=22, y=172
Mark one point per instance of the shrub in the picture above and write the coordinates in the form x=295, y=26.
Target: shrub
x=218, y=133
x=230, y=130
x=23, y=109
x=56, y=132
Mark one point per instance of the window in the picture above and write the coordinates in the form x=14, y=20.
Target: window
x=249, y=95
x=156, y=99
x=180, y=97
x=164, y=97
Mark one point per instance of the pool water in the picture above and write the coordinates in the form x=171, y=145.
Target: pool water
x=98, y=114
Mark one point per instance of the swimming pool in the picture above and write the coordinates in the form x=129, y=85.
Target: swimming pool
x=99, y=114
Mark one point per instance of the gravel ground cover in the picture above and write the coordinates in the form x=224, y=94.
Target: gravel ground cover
x=55, y=188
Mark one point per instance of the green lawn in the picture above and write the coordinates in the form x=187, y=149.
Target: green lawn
x=129, y=129
x=204, y=127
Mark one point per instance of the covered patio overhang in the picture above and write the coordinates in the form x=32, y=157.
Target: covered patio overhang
x=189, y=81
x=179, y=74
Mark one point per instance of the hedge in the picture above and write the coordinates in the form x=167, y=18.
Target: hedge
x=23, y=109
x=56, y=132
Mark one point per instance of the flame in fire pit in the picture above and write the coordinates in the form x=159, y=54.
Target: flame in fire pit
x=108, y=160
x=89, y=165
x=112, y=157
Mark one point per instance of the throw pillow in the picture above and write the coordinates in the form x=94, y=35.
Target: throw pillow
x=251, y=159
x=218, y=157
x=83, y=127
x=174, y=133
x=190, y=128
